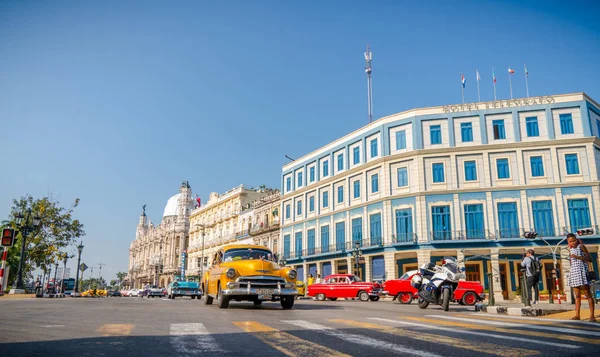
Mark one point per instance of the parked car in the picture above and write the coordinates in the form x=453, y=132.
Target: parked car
x=467, y=292
x=344, y=286
x=183, y=288
x=114, y=293
x=301, y=288
x=152, y=291
x=134, y=293
x=248, y=273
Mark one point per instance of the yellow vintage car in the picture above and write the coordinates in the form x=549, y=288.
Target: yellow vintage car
x=248, y=273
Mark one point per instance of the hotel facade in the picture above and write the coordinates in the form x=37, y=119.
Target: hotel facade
x=460, y=180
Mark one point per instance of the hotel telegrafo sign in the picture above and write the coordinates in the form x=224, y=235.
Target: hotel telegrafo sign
x=495, y=104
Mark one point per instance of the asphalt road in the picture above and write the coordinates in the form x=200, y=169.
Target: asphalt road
x=184, y=327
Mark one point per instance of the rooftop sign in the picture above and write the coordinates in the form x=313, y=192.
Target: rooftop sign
x=509, y=103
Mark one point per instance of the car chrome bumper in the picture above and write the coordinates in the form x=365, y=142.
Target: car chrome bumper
x=253, y=291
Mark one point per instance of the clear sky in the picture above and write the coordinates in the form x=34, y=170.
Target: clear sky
x=117, y=102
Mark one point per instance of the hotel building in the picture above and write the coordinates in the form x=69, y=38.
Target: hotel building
x=460, y=180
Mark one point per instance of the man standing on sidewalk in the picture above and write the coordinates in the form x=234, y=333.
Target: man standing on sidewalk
x=533, y=271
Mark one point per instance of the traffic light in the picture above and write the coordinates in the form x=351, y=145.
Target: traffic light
x=530, y=235
x=8, y=237
x=585, y=232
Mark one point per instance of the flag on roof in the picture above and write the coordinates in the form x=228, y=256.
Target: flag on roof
x=511, y=71
x=526, y=71
x=463, y=80
x=494, y=75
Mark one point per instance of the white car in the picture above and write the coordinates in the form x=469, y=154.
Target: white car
x=134, y=292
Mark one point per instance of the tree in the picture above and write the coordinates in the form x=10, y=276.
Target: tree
x=113, y=282
x=58, y=229
x=120, y=276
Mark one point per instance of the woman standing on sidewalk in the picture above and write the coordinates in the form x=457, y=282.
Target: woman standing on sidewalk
x=579, y=257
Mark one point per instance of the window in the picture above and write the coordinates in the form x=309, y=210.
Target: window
x=356, y=155
x=401, y=139
x=298, y=244
x=325, y=199
x=474, y=225
x=311, y=174
x=287, y=212
x=466, y=132
x=311, y=204
x=537, y=166
x=340, y=194
x=579, y=214
x=299, y=179
x=532, y=126
x=404, y=226
x=340, y=162
x=324, y=239
x=470, y=171
x=598, y=127
x=286, y=246
x=288, y=184
x=438, y=172
x=543, y=219
x=435, y=134
x=375, y=229
x=402, y=177
x=357, y=230
x=507, y=220
x=572, y=164
x=503, y=168
x=340, y=235
x=325, y=168
x=299, y=208
x=440, y=218
x=310, y=238
x=356, y=189
x=375, y=183
x=498, y=126
x=374, y=148
x=566, y=124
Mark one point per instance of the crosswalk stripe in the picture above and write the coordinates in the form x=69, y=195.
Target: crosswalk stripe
x=360, y=340
x=115, y=329
x=467, y=332
x=521, y=325
x=193, y=338
x=573, y=322
x=284, y=342
x=510, y=331
x=489, y=348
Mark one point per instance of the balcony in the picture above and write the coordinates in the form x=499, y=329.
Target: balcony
x=403, y=238
x=242, y=234
x=263, y=228
x=473, y=234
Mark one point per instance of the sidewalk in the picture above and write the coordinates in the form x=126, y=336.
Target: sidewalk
x=7, y=296
x=564, y=311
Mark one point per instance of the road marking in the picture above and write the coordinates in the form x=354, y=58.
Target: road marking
x=526, y=326
x=284, y=342
x=193, y=338
x=52, y=326
x=489, y=348
x=575, y=322
x=509, y=331
x=467, y=332
x=361, y=340
x=115, y=329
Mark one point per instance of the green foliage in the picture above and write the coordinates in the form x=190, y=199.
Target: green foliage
x=58, y=229
x=120, y=276
x=92, y=283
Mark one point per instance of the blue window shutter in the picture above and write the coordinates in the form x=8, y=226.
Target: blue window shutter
x=340, y=236
x=340, y=161
x=404, y=226
x=325, y=239
x=356, y=230
x=532, y=126
x=340, y=194
x=310, y=237
x=543, y=218
x=286, y=246
x=325, y=168
x=325, y=199
x=508, y=220
x=288, y=184
x=311, y=204
x=356, y=155
x=572, y=164
x=375, y=183
x=299, y=179
x=470, y=171
x=374, y=151
x=474, y=224
x=299, y=208
x=466, y=132
x=298, y=244
x=402, y=177
x=375, y=228
x=598, y=127
x=566, y=124
x=438, y=172
x=401, y=139
x=579, y=214
x=442, y=227
x=537, y=166
x=498, y=128
x=312, y=173
x=287, y=211
x=435, y=134
x=356, y=189
x=503, y=168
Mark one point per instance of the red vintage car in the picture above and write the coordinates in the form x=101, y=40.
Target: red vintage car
x=467, y=292
x=344, y=286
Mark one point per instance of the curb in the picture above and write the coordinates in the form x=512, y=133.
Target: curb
x=519, y=311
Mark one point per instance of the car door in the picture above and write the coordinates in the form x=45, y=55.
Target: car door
x=340, y=289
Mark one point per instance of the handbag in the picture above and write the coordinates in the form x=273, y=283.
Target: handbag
x=591, y=274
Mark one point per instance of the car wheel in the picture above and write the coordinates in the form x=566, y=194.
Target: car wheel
x=405, y=298
x=374, y=298
x=320, y=297
x=287, y=302
x=222, y=301
x=193, y=297
x=363, y=296
x=470, y=298
x=257, y=302
x=333, y=299
x=207, y=299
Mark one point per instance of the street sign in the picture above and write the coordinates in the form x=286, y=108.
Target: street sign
x=83, y=267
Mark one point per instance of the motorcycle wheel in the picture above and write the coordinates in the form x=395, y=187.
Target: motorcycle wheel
x=446, y=299
x=422, y=303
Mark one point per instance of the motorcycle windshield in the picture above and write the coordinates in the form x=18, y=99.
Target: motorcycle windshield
x=451, y=264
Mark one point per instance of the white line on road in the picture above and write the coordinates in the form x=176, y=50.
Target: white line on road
x=526, y=326
x=193, y=338
x=477, y=333
x=53, y=326
x=359, y=339
x=575, y=322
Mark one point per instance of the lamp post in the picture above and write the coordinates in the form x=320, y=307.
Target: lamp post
x=62, y=285
x=555, y=262
x=79, y=249
x=201, y=274
x=55, y=271
x=356, y=253
x=26, y=225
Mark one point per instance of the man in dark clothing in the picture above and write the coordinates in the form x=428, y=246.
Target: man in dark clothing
x=530, y=261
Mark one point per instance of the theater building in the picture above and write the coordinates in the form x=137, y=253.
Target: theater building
x=460, y=180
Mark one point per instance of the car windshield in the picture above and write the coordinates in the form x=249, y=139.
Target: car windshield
x=450, y=264
x=246, y=254
x=404, y=277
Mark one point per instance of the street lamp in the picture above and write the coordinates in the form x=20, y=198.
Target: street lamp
x=55, y=271
x=26, y=225
x=356, y=253
x=201, y=274
x=62, y=284
x=79, y=249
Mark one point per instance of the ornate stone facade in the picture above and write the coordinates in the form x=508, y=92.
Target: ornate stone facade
x=155, y=254
x=265, y=225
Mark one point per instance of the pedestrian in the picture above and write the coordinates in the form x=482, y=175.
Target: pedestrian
x=319, y=280
x=533, y=271
x=579, y=257
x=311, y=280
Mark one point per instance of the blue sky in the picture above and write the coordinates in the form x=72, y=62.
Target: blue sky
x=118, y=103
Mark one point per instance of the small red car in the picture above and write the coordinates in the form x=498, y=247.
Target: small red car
x=344, y=286
x=467, y=292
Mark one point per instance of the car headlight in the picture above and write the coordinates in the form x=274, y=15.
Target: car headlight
x=292, y=274
x=231, y=273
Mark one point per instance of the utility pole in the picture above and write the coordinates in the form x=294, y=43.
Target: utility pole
x=100, y=273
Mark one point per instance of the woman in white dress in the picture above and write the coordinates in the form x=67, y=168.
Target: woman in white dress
x=579, y=257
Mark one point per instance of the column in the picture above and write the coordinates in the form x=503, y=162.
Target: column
x=494, y=253
x=350, y=263
x=319, y=269
x=305, y=268
x=386, y=222
x=596, y=205
x=560, y=211
x=527, y=224
x=457, y=222
x=460, y=256
x=491, y=222
x=368, y=271
x=564, y=274
x=420, y=219
x=333, y=266
x=391, y=268
x=423, y=256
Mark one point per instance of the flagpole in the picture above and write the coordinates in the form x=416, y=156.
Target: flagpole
x=527, y=82
x=494, y=74
x=462, y=87
x=478, y=94
x=510, y=84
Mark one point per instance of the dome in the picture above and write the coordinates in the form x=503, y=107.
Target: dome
x=172, y=205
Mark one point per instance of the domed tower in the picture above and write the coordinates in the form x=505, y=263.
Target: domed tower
x=185, y=202
x=142, y=224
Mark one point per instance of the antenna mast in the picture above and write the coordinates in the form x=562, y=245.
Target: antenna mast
x=368, y=70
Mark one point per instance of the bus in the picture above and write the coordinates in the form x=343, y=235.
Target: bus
x=69, y=285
